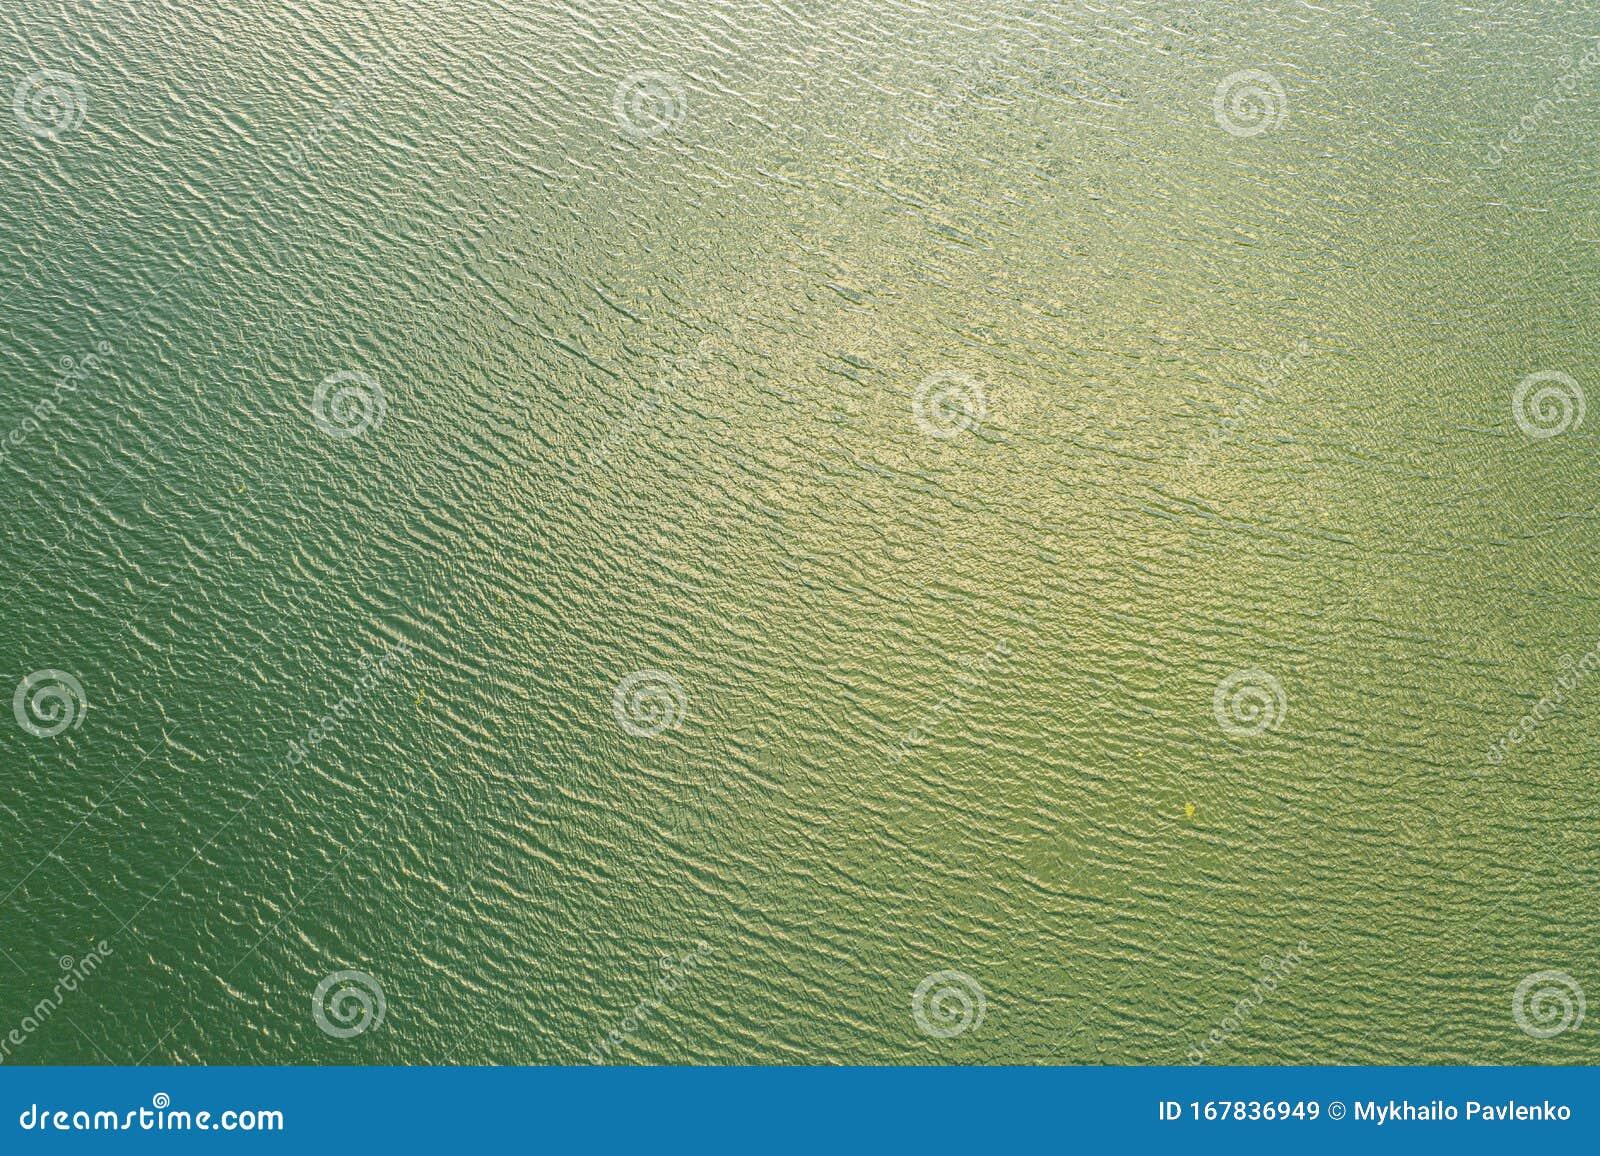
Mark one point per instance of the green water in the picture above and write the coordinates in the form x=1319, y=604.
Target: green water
x=660, y=364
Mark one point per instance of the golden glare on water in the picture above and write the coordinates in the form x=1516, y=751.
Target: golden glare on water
x=822, y=532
